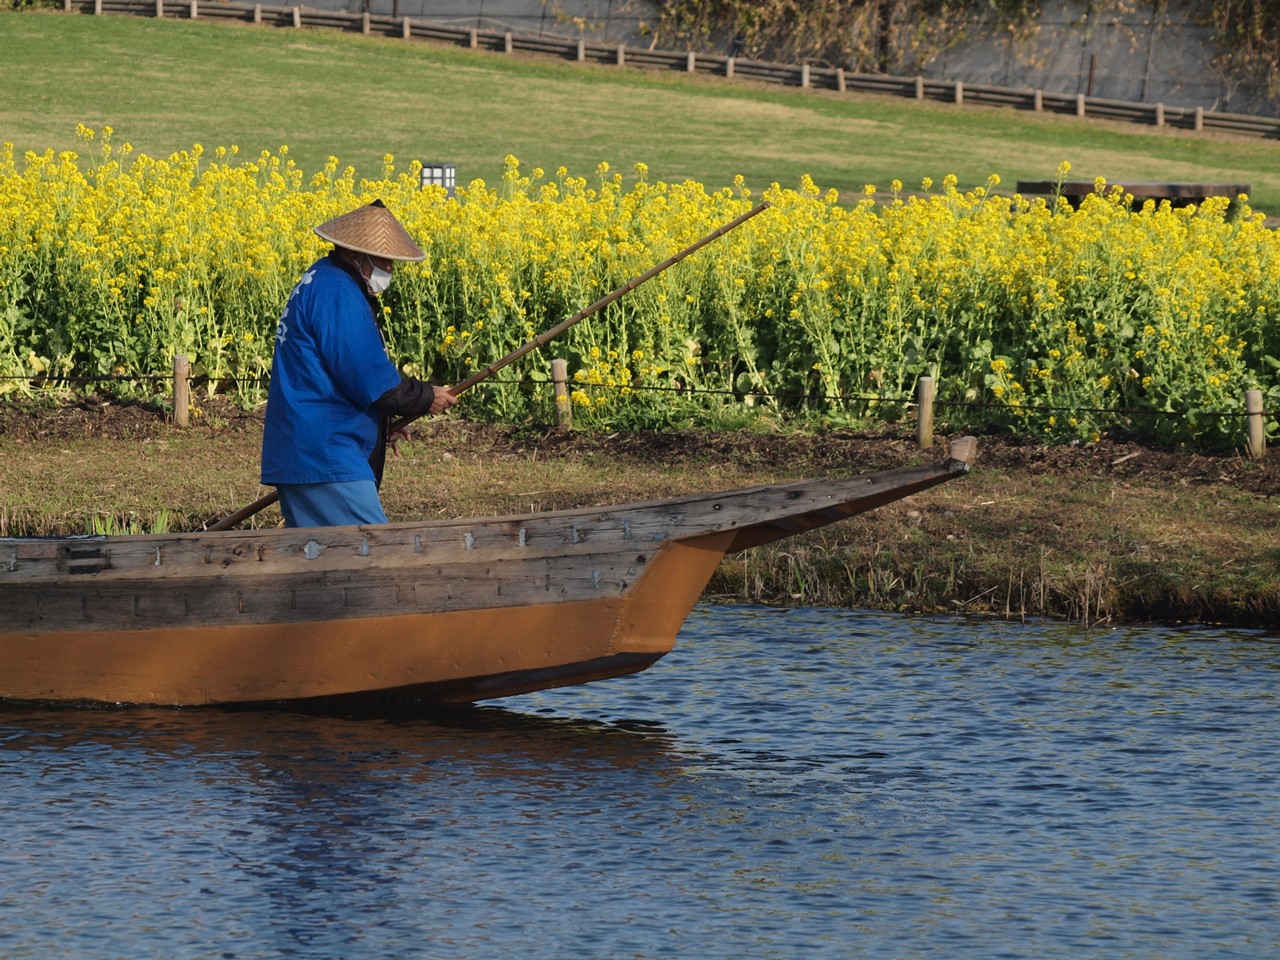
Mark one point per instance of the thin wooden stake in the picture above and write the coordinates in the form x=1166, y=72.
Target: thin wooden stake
x=1257, y=429
x=924, y=425
x=181, y=390
x=564, y=407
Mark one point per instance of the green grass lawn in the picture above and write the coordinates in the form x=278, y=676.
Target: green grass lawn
x=165, y=85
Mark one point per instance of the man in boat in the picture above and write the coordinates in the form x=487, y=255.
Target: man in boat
x=333, y=387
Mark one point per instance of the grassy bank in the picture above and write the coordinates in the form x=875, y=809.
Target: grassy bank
x=164, y=85
x=1094, y=532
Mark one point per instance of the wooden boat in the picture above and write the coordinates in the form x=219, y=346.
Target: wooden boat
x=448, y=611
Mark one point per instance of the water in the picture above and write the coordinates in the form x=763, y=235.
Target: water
x=787, y=784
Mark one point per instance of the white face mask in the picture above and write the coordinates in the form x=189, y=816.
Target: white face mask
x=378, y=280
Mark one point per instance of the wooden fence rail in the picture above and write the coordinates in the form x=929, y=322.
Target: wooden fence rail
x=805, y=76
x=926, y=398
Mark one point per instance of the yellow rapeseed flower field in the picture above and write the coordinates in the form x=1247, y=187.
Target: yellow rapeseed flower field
x=1055, y=322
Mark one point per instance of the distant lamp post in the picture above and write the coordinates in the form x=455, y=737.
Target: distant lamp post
x=440, y=175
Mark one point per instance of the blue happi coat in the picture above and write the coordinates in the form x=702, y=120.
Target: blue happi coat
x=330, y=365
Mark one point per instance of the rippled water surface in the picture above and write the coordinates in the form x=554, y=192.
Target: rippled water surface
x=786, y=784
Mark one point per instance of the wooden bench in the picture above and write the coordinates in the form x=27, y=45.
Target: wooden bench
x=1178, y=194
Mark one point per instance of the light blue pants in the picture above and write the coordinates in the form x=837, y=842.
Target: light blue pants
x=330, y=504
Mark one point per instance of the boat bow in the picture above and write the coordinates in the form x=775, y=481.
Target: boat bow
x=453, y=611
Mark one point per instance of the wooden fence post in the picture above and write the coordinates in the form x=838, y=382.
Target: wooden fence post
x=1159, y=114
x=1080, y=105
x=1257, y=429
x=1037, y=101
x=582, y=50
x=728, y=67
x=564, y=406
x=919, y=88
x=181, y=389
x=1199, y=119
x=841, y=86
x=691, y=62
x=508, y=42
x=924, y=424
x=621, y=55
x=804, y=76
x=297, y=18
x=406, y=29
x=959, y=93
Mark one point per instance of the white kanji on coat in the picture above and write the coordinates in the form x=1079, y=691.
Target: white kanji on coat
x=282, y=329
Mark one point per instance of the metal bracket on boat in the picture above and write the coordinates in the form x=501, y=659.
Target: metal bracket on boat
x=94, y=560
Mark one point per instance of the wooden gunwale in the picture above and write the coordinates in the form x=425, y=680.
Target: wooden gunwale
x=559, y=535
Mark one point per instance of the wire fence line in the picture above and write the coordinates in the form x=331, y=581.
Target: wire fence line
x=905, y=401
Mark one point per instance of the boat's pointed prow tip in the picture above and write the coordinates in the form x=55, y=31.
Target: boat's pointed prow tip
x=963, y=449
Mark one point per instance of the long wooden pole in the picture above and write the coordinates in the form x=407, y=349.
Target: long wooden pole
x=244, y=513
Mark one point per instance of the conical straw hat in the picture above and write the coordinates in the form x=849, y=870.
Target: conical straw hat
x=371, y=229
